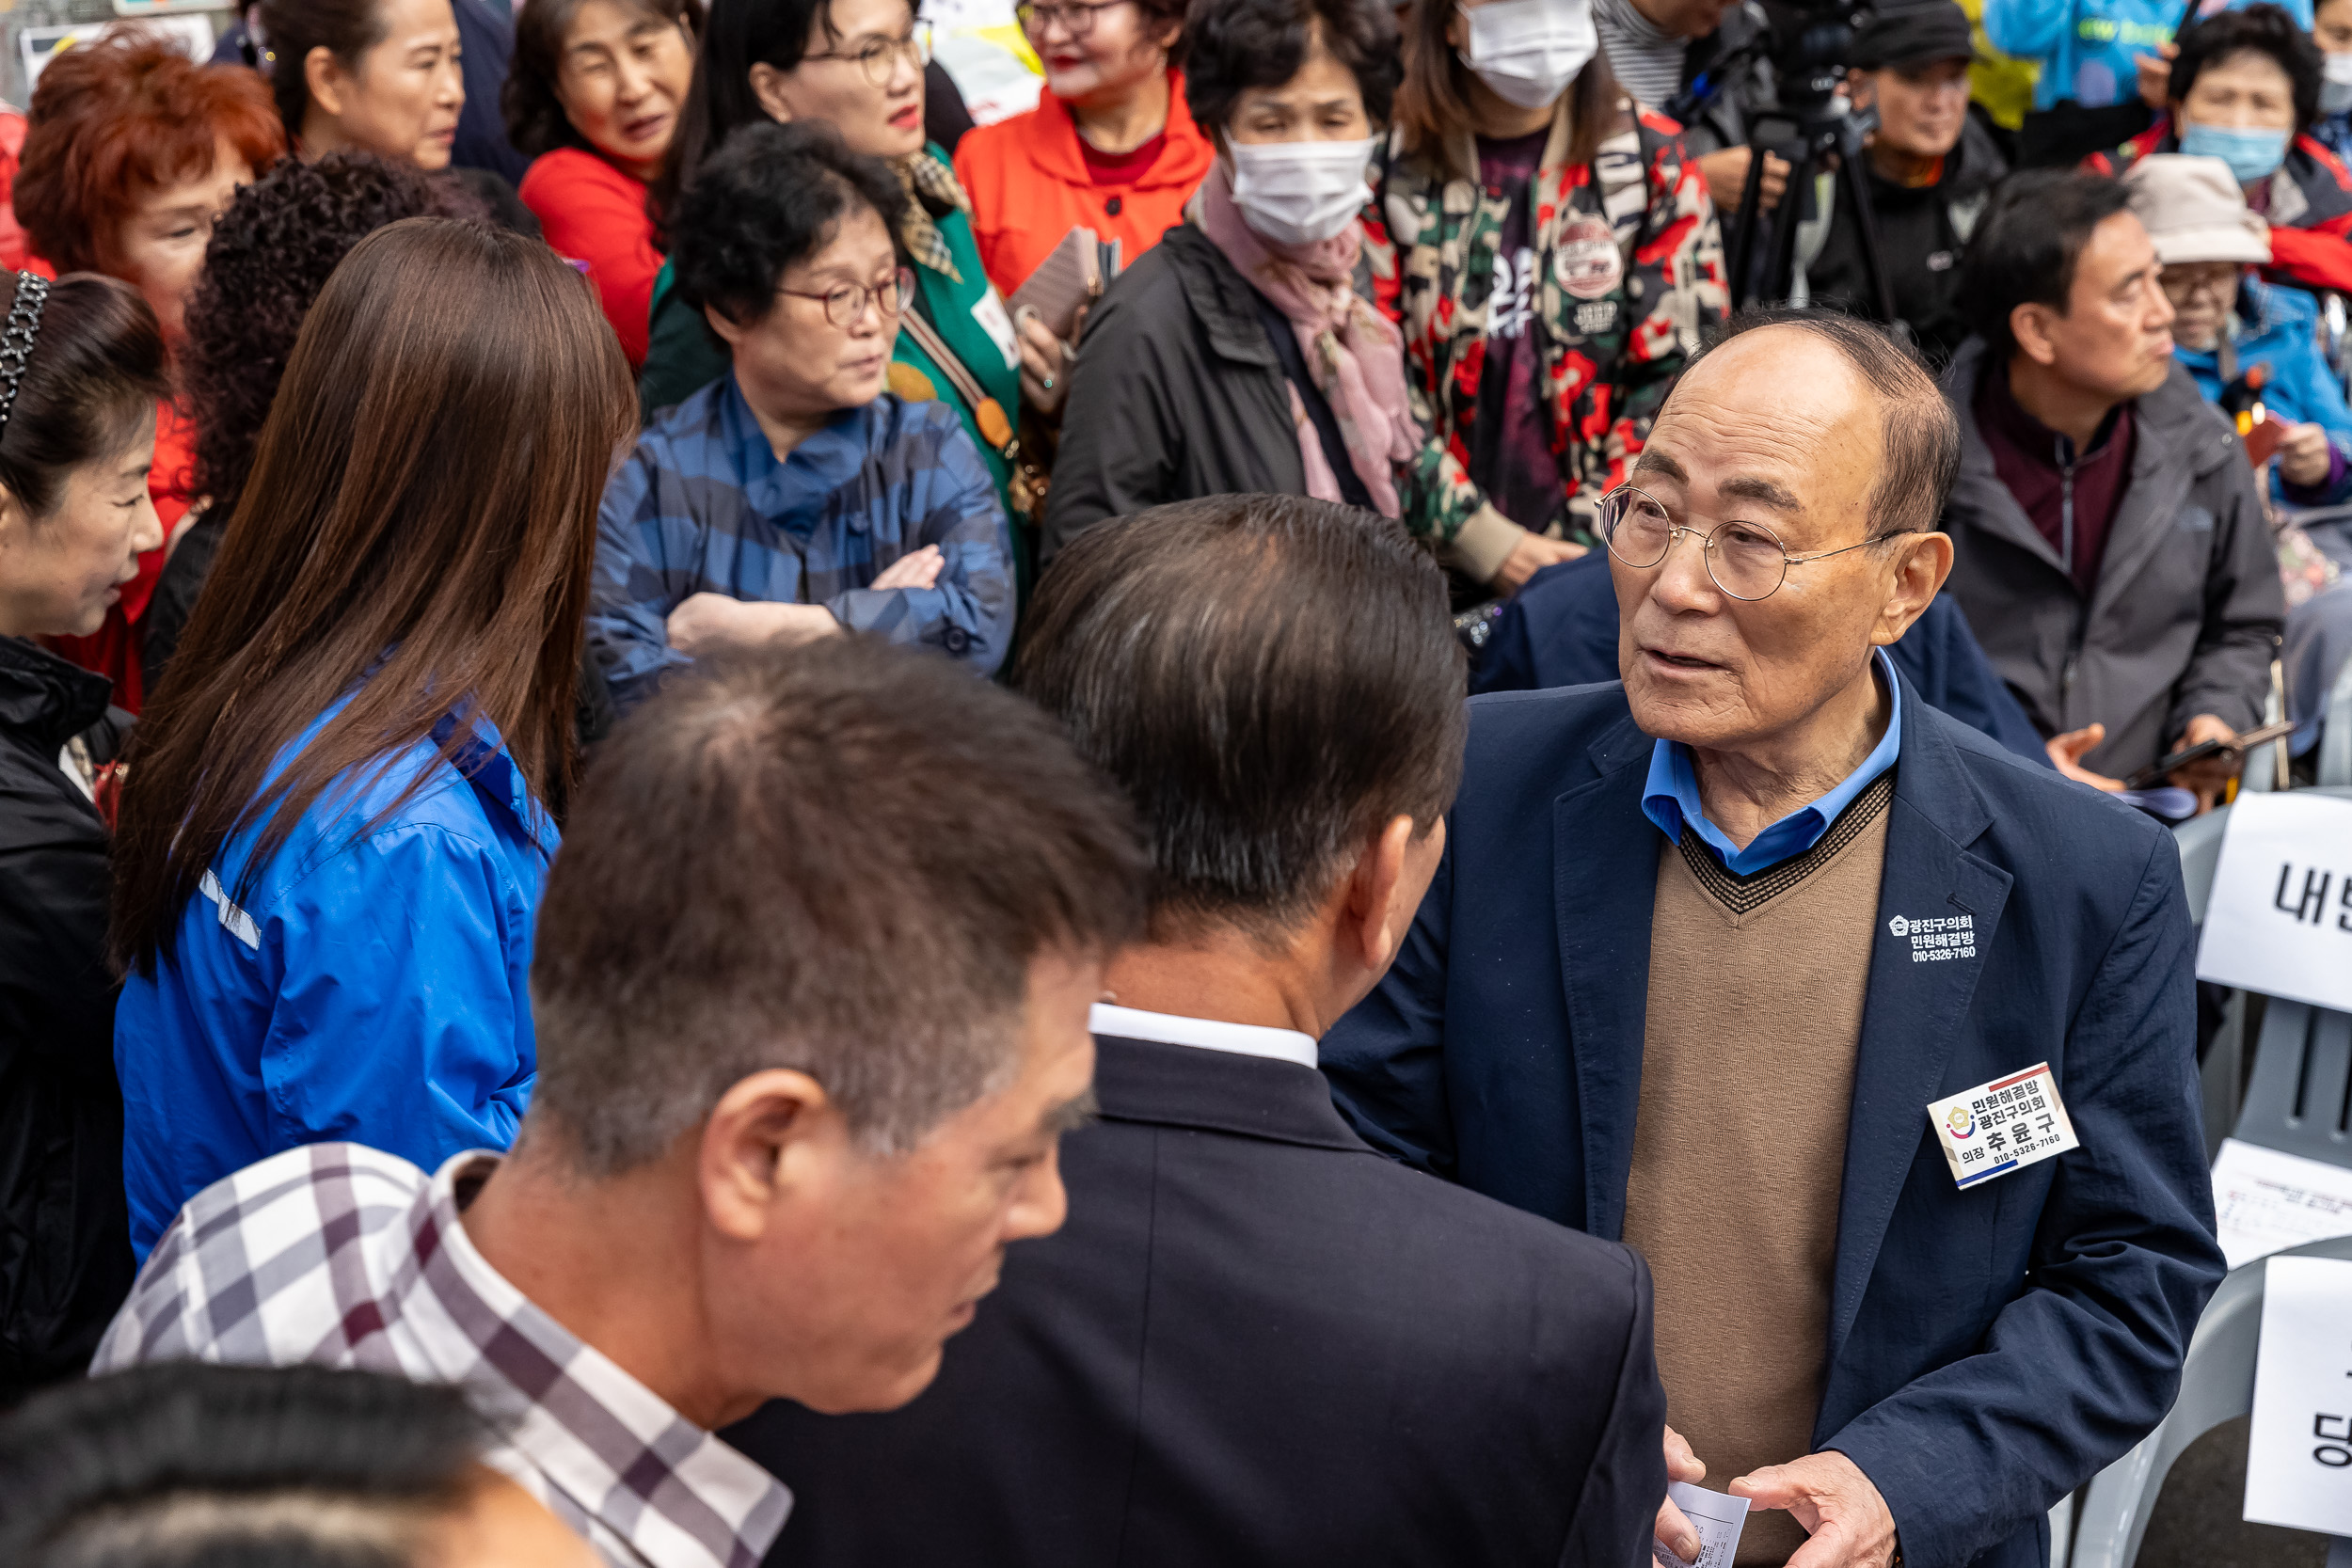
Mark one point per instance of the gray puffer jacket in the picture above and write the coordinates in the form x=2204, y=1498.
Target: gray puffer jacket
x=2185, y=615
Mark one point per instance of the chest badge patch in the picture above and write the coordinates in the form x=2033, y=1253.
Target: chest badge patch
x=1586, y=261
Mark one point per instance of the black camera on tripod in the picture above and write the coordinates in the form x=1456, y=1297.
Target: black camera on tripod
x=1812, y=126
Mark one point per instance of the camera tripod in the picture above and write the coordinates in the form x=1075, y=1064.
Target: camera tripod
x=1823, y=137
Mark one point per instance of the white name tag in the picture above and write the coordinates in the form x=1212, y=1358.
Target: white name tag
x=2002, y=1126
x=990, y=313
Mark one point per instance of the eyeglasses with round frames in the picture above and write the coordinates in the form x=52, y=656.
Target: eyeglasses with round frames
x=1746, y=560
x=878, y=56
x=845, y=303
x=1077, y=19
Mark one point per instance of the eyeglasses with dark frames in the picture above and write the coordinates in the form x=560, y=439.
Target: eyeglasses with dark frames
x=1077, y=19
x=845, y=303
x=1745, y=559
x=878, y=55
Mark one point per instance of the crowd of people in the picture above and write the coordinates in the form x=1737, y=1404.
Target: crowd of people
x=755, y=819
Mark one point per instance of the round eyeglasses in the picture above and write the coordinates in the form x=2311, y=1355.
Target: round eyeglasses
x=1075, y=19
x=878, y=56
x=1746, y=560
x=845, y=303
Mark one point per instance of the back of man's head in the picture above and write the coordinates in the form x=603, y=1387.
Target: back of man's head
x=1270, y=679
x=2026, y=247
x=186, y=1464
x=840, y=859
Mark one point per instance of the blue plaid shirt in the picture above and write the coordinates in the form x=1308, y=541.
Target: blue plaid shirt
x=704, y=506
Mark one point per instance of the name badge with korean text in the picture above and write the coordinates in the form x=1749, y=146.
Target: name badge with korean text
x=2002, y=1126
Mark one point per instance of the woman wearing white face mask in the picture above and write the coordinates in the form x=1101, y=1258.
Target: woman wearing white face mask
x=2246, y=87
x=1242, y=352
x=1556, y=257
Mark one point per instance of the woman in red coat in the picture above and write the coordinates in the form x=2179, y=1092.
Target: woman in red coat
x=593, y=97
x=1110, y=145
x=131, y=152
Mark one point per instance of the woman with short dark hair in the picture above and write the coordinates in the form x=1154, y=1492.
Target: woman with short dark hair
x=593, y=99
x=795, y=497
x=1554, y=260
x=858, y=66
x=1242, y=352
x=2245, y=88
x=77, y=433
x=343, y=801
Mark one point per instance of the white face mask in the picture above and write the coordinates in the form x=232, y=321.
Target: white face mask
x=1529, y=50
x=1301, y=191
x=2335, y=86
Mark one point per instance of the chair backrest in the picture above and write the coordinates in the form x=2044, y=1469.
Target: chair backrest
x=2335, y=733
x=2216, y=1385
x=2300, y=1097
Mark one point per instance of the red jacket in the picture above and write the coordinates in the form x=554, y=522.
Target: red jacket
x=588, y=210
x=1030, y=186
x=2310, y=206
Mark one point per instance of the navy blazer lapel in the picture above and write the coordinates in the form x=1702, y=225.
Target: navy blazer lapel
x=1913, y=1009
x=1604, y=881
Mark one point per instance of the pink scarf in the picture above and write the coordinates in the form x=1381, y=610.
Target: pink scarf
x=1354, y=355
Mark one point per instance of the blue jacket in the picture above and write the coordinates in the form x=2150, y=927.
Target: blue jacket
x=365, y=986
x=2086, y=47
x=703, y=506
x=2280, y=328
x=1989, y=1350
x=1561, y=630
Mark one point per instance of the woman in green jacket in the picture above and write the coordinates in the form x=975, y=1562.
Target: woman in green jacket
x=859, y=64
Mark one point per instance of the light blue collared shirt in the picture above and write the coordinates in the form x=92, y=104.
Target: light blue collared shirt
x=1671, y=798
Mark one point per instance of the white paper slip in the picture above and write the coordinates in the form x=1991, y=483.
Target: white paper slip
x=2002, y=1126
x=2265, y=1202
x=1716, y=1516
x=2298, y=1453
x=2280, y=921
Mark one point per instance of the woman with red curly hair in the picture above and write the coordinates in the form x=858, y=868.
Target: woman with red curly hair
x=133, y=150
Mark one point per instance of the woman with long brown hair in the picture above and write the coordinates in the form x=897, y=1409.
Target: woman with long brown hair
x=1555, y=258
x=339, y=814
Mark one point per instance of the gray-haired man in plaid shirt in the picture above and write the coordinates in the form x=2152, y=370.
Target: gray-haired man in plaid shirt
x=812, y=983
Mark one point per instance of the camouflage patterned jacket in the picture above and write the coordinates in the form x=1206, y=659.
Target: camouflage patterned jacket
x=1632, y=260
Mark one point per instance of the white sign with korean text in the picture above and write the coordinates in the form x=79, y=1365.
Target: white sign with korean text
x=2002, y=1126
x=2280, y=919
x=2299, y=1457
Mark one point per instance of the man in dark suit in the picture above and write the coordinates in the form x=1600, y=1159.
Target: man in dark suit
x=1256, y=1342
x=1709, y=949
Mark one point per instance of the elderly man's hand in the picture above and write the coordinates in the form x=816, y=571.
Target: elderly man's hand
x=1726, y=176
x=1674, y=1530
x=2066, y=753
x=1828, y=1494
x=2304, y=454
x=2207, y=779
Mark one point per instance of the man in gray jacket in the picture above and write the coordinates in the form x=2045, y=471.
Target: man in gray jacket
x=2111, y=551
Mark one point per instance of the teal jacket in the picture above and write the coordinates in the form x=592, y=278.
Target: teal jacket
x=2086, y=48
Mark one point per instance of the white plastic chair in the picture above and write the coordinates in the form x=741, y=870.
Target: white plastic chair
x=2216, y=1385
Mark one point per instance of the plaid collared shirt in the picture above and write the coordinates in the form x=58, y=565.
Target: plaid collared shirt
x=339, y=1254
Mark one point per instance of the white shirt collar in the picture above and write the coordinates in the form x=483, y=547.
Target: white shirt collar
x=1243, y=1040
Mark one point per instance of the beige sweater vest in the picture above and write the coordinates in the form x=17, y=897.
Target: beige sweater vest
x=1756, y=995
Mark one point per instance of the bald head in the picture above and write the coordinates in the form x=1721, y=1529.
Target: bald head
x=1819, y=377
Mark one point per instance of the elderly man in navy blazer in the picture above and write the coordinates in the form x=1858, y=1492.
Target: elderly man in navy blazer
x=1708, y=945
